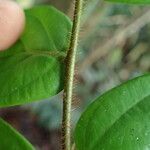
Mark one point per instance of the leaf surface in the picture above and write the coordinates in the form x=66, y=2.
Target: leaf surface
x=33, y=68
x=132, y=1
x=117, y=120
x=10, y=139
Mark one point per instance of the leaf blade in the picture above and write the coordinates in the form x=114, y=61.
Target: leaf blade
x=33, y=68
x=10, y=139
x=131, y=1
x=105, y=112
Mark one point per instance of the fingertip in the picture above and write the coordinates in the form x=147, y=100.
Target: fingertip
x=12, y=22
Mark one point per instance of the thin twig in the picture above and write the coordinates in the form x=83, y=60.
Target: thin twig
x=73, y=146
x=70, y=69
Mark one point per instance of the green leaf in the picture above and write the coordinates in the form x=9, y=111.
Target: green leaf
x=33, y=68
x=118, y=120
x=132, y=1
x=10, y=139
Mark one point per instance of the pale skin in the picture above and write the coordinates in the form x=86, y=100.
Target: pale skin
x=12, y=23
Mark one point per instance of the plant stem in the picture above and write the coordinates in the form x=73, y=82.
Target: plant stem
x=70, y=69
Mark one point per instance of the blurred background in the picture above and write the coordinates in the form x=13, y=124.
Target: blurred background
x=114, y=47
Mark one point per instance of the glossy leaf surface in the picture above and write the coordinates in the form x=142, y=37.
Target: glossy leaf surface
x=132, y=1
x=118, y=120
x=33, y=68
x=10, y=139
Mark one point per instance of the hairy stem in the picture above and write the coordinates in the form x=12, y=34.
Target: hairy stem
x=70, y=69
